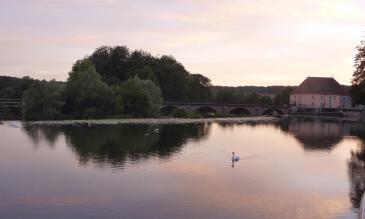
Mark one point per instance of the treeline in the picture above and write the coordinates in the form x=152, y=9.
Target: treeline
x=358, y=77
x=111, y=82
x=13, y=88
x=278, y=95
x=117, y=82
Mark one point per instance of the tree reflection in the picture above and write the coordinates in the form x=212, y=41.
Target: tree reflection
x=114, y=144
x=38, y=133
x=356, y=167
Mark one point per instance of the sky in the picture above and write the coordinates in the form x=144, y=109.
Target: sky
x=233, y=42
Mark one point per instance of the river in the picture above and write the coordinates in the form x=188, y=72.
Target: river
x=295, y=168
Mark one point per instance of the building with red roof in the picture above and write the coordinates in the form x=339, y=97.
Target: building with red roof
x=320, y=92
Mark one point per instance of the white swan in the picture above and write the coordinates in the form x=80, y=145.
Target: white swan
x=13, y=125
x=235, y=158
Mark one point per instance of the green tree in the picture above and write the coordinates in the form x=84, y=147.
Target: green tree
x=265, y=100
x=87, y=95
x=226, y=96
x=283, y=97
x=145, y=73
x=117, y=64
x=11, y=87
x=111, y=63
x=172, y=78
x=138, y=98
x=358, y=77
x=199, y=88
x=43, y=100
x=252, y=98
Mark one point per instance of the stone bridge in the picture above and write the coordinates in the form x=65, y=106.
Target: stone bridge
x=225, y=109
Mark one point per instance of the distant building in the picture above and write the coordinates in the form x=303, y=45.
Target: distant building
x=320, y=92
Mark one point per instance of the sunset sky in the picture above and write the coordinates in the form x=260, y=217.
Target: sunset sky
x=247, y=42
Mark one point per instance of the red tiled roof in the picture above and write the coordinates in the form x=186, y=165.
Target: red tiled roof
x=321, y=85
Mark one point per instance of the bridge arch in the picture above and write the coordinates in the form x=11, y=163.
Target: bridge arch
x=206, y=111
x=167, y=110
x=240, y=111
x=272, y=112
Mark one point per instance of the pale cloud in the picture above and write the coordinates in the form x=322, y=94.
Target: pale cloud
x=232, y=42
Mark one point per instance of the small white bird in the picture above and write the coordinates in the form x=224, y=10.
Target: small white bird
x=13, y=125
x=235, y=158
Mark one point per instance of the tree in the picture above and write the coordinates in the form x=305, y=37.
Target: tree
x=111, y=63
x=199, y=88
x=358, y=77
x=145, y=73
x=117, y=64
x=226, y=96
x=252, y=98
x=11, y=87
x=138, y=98
x=265, y=100
x=283, y=97
x=43, y=100
x=87, y=95
x=172, y=78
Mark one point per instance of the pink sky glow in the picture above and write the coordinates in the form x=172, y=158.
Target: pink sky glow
x=247, y=42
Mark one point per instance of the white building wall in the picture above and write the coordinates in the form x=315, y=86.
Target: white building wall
x=320, y=101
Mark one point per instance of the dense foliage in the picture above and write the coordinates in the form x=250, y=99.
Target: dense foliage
x=138, y=97
x=283, y=97
x=358, y=78
x=87, y=96
x=114, y=82
x=43, y=100
x=118, y=64
x=252, y=95
x=13, y=88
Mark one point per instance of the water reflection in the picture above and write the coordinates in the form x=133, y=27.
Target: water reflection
x=39, y=133
x=325, y=135
x=356, y=167
x=313, y=135
x=316, y=135
x=114, y=144
x=118, y=144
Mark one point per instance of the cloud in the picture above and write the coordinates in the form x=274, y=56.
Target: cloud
x=251, y=42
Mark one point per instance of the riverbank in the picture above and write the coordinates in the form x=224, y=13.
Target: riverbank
x=345, y=119
x=154, y=121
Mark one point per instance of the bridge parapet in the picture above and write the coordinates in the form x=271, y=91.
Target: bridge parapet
x=222, y=104
x=222, y=108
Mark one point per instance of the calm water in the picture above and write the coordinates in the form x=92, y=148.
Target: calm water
x=293, y=169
